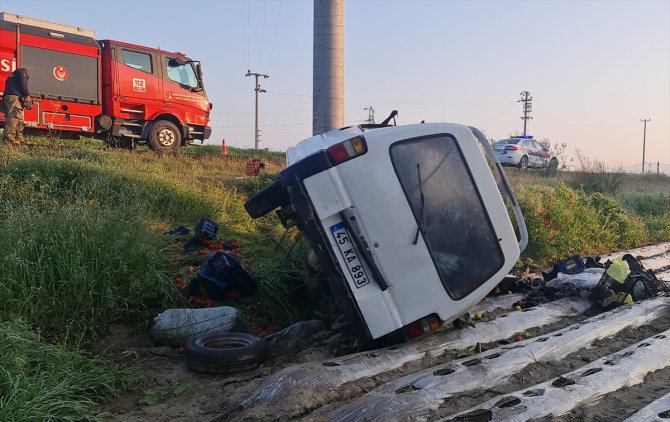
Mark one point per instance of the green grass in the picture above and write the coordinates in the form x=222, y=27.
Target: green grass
x=81, y=246
x=46, y=382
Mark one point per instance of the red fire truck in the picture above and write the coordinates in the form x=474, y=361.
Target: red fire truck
x=119, y=92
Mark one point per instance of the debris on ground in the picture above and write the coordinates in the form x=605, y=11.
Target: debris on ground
x=178, y=326
x=219, y=275
x=295, y=337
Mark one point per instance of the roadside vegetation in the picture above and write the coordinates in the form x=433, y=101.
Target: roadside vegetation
x=82, y=247
x=591, y=210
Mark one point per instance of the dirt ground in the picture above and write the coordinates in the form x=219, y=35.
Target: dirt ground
x=182, y=395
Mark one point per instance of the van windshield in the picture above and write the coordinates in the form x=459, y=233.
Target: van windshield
x=451, y=217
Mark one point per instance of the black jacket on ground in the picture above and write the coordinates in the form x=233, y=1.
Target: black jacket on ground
x=17, y=83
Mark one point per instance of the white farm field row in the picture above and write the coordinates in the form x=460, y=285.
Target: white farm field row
x=302, y=388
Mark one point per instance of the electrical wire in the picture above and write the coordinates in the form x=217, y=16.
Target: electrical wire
x=248, y=33
x=274, y=41
x=260, y=50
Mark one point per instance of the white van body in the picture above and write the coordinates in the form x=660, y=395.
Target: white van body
x=413, y=226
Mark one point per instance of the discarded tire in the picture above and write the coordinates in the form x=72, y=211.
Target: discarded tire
x=222, y=353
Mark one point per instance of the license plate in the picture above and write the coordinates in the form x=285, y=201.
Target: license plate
x=500, y=151
x=346, y=247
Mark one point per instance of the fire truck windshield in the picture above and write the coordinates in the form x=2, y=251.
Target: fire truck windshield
x=183, y=73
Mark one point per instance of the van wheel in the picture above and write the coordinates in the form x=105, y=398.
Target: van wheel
x=523, y=163
x=164, y=136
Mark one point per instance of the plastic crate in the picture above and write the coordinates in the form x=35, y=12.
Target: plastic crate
x=206, y=229
x=570, y=266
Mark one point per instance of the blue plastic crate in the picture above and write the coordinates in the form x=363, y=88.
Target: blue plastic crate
x=206, y=229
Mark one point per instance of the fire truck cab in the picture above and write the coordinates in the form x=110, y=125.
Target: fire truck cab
x=119, y=92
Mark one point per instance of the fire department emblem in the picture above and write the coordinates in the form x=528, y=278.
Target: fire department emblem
x=61, y=73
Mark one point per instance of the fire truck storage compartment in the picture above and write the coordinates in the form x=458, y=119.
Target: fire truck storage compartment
x=79, y=85
x=63, y=120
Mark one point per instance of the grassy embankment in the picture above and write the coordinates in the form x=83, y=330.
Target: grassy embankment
x=82, y=247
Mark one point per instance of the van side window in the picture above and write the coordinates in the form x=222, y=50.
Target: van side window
x=456, y=227
x=139, y=61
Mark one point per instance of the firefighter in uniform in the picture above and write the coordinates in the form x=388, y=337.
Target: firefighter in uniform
x=15, y=94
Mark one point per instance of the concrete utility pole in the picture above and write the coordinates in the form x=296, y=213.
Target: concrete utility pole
x=328, y=66
x=527, y=108
x=257, y=89
x=644, y=139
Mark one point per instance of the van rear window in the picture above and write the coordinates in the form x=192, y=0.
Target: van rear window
x=454, y=223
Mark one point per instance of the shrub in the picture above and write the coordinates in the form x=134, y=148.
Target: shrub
x=561, y=222
x=629, y=229
x=596, y=176
x=659, y=228
x=654, y=205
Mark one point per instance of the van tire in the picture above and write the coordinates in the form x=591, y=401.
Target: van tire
x=224, y=352
x=164, y=137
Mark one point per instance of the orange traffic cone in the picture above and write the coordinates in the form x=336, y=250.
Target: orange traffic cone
x=224, y=148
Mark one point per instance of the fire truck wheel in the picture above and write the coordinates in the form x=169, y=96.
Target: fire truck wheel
x=164, y=136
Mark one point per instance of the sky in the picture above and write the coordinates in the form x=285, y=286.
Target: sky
x=594, y=68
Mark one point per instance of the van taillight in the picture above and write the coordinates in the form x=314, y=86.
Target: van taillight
x=423, y=326
x=339, y=153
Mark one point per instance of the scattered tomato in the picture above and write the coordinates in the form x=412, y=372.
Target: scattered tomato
x=517, y=339
x=181, y=350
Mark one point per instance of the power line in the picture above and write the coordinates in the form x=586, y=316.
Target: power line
x=260, y=51
x=248, y=34
x=269, y=125
x=274, y=41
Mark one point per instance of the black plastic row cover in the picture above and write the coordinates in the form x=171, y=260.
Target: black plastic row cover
x=266, y=200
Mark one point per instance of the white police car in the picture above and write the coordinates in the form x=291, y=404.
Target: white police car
x=524, y=152
x=408, y=221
